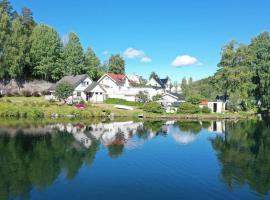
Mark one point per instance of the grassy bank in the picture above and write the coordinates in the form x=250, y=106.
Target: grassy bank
x=37, y=107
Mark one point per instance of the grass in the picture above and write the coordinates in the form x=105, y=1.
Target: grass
x=38, y=108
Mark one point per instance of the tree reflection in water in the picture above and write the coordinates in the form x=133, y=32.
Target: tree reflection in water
x=28, y=161
x=244, y=153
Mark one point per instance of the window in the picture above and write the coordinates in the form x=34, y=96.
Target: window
x=79, y=94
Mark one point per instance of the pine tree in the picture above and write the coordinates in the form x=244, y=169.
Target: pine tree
x=92, y=64
x=73, y=55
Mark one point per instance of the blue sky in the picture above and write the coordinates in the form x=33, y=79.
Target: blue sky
x=190, y=33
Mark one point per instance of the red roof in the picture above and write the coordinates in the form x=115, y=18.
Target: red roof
x=118, y=78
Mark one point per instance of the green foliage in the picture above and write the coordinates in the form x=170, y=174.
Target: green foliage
x=45, y=53
x=153, y=75
x=63, y=90
x=244, y=155
x=36, y=161
x=189, y=126
x=116, y=64
x=188, y=108
x=142, y=97
x=122, y=102
x=153, y=107
x=92, y=65
x=5, y=24
x=73, y=55
x=157, y=97
x=206, y=110
x=194, y=99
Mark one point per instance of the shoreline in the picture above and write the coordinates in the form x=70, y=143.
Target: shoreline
x=38, y=108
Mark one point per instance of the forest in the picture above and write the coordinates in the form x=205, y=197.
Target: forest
x=29, y=50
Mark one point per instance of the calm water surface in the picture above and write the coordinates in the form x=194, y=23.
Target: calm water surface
x=136, y=160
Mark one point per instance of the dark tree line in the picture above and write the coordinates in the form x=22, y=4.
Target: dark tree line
x=29, y=50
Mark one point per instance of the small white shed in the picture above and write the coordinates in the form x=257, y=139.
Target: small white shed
x=216, y=106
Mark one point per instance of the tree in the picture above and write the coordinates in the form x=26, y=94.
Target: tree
x=28, y=20
x=190, y=80
x=157, y=97
x=17, y=50
x=5, y=26
x=260, y=47
x=73, y=55
x=92, y=65
x=63, y=90
x=194, y=99
x=153, y=75
x=116, y=64
x=142, y=97
x=45, y=53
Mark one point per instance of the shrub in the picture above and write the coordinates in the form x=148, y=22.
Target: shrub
x=142, y=97
x=35, y=114
x=26, y=93
x=157, y=97
x=16, y=94
x=9, y=94
x=63, y=90
x=195, y=99
x=45, y=92
x=188, y=108
x=153, y=107
x=206, y=110
x=36, y=94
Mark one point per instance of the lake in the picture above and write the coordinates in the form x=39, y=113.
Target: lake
x=135, y=160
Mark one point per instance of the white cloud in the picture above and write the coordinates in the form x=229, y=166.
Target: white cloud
x=133, y=53
x=146, y=59
x=184, y=60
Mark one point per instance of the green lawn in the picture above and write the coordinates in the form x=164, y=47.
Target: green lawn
x=37, y=107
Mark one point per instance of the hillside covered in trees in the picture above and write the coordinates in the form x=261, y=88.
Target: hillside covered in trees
x=29, y=50
x=243, y=75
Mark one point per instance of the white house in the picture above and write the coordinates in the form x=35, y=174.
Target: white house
x=84, y=89
x=164, y=84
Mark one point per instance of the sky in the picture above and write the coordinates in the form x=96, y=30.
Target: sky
x=171, y=37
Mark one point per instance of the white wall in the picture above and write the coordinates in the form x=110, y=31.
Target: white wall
x=153, y=83
x=220, y=106
x=169, y=99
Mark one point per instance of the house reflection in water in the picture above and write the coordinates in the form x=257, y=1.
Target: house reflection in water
x=217, y=127
x=106, y=133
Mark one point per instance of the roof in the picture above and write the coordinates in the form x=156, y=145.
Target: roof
x=118, y=78
x=92, y=86
x=162, y=82
x=179, y=96
x=73, y=80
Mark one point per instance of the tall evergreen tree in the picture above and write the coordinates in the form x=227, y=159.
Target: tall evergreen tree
x=116, y=64
x=45, y=53
x=5, y=24
x=92, y=64
x=73, y=55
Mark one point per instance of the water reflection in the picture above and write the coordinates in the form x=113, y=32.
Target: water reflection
x=34, y=157
x=244, y=152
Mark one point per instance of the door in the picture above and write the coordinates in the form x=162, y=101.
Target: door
x=215, y=107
